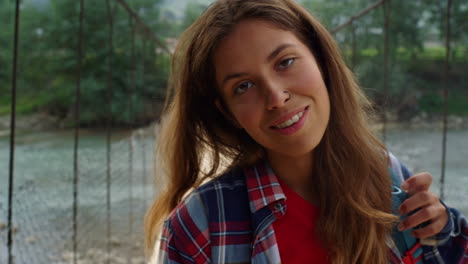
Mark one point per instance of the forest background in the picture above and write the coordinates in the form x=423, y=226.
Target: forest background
x=48, y=43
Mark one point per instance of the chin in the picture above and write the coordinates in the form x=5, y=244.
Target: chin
x=300, y=152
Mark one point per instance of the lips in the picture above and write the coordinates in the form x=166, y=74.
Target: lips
x=280, y=121
x=291, y=119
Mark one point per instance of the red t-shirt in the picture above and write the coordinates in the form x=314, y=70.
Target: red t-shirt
x=295, y=232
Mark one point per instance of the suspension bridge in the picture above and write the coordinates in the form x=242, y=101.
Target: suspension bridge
x=89, y=206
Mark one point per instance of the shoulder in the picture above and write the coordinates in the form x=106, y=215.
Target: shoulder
x=187, y=230
x=204, y=204
x=231, y=180
x=197, y=203
x=214, y=194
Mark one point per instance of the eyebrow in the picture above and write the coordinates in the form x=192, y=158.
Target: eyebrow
x=232, y=76
x=276, y=51
x=270, y=57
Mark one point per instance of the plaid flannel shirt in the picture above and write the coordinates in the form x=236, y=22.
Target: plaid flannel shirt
x=230, y=220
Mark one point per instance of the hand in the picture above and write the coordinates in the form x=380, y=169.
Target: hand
x=430, y=208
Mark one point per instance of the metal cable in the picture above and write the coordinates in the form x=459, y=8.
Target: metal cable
x=349, y=22
x=110, y=16
x=357, y=16
x=353, y=46
x=145, y=28
x=143, y=147
x=446, y=73
x=12, y=135
x=130, y=142
x=386, y=68
x=77, y=124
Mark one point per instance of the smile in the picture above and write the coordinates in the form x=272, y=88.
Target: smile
x=291, y=121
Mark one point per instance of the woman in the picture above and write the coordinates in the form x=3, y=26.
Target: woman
x=262, y=93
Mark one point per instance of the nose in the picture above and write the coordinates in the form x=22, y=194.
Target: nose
x=276, y=96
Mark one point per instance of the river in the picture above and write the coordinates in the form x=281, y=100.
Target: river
x=43, y=193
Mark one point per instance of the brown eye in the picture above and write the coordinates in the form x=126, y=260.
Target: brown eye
x=243, y=87
x=286, y=63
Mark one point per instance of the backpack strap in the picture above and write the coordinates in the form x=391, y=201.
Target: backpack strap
x=409, y=246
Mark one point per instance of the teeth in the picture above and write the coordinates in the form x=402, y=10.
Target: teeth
x=290, y=121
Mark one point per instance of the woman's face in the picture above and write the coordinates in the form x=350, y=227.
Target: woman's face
x=273, y=87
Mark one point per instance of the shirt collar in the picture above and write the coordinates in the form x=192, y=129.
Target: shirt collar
x=262, y=186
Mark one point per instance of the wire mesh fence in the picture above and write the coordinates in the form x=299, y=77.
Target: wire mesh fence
x=43, y=191
x=43, y=200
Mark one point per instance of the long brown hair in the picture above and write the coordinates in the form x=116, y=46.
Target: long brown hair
x=350, y=163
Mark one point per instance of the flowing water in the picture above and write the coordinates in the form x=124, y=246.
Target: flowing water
x=43, y=190
x=421, y=150
x=43, y=197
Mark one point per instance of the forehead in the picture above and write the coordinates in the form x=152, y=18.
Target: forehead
x=247, y=29
x=250, y=41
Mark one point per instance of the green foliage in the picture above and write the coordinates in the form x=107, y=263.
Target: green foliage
x=416, y=53
x=6, y=44
x=192, y=12
x=48, y=60
x=433, y=103
x=174, y=26
x=48, y=65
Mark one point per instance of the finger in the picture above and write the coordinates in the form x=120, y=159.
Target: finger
x=418, y=200
x=432, y=229
x=417, y=182
x=421, y=216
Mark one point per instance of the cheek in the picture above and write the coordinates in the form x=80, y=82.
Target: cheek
x=310, y=81
x=247, y=110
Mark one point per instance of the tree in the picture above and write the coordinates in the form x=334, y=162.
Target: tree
x=192, y=11
x=48, y=60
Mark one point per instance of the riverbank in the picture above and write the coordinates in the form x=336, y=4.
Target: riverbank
x=30, y=123
x=43, y=198
x=422, y=121
x=43, y=190
x=43, y=122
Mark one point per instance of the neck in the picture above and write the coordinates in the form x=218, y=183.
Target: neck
x=296, y=172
